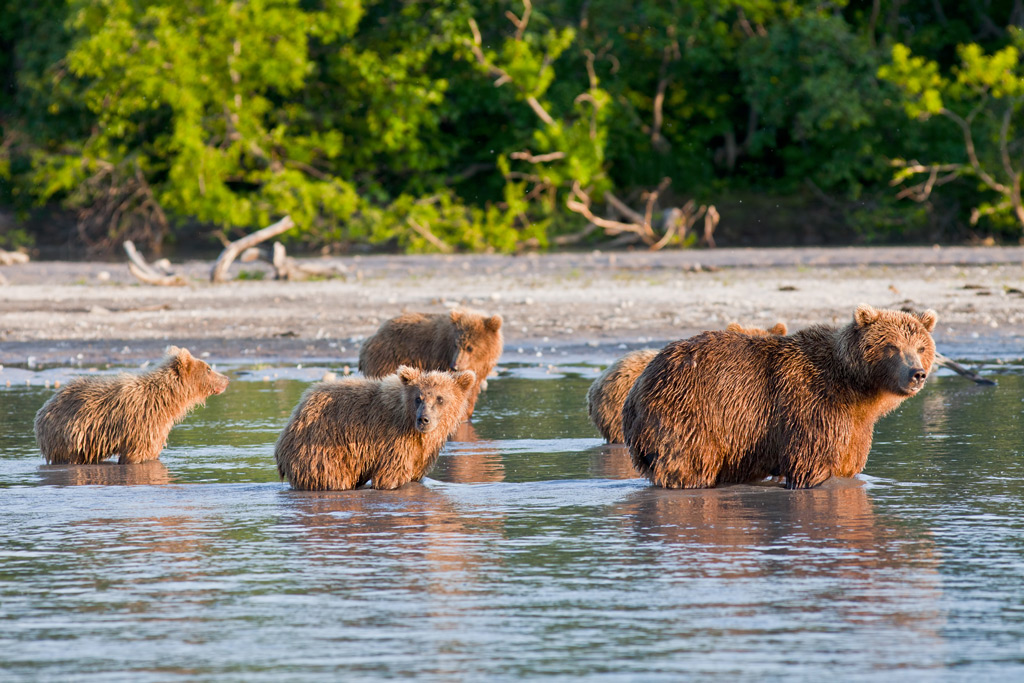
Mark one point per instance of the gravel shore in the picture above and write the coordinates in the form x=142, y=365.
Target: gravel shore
x=584, y=306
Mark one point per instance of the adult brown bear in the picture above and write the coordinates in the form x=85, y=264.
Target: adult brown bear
x=727, y=407
x=608, y=392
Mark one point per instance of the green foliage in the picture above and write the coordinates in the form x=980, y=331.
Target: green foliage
x=983, y=101
x=467, y=124
x=812, y=82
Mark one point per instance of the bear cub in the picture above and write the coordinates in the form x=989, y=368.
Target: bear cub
x=725, y=407
x=459, y=340
x=93, y=418
x=347, y=432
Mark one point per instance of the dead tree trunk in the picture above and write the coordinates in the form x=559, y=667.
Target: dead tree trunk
x=962, y=371
x=148, y=273
x=287, y=268
x=231, y=252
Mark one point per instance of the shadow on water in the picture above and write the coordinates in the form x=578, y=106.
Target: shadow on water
x=531, y=550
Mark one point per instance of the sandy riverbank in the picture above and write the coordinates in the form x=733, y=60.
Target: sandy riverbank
x=576, y=305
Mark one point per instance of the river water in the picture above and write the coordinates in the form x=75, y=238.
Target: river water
x=532, y=551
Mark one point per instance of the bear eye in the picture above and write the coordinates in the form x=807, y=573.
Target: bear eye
x=469, y=349
x=921, y=349
x=891, y=348
x=440, y=400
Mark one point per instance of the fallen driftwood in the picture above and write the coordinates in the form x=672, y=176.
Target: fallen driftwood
x=962, y=371
x=158, y=273
x=233, y=249
x=11, y=258
x=673, y=225
x=287, y=268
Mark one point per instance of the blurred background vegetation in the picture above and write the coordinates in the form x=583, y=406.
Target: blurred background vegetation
x=484, y=125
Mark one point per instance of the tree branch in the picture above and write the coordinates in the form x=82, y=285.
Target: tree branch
x=219, y=271
x=138, y=267
x=526, y=155
x=503, y=76
x=972, y=155
x=425, y=233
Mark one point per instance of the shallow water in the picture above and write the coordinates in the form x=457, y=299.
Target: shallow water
x=531, y=552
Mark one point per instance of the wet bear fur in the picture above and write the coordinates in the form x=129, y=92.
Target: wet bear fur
x=458, y=340
x=608, y=392
x=724, y=407
x=94, y=418
x=345, y=433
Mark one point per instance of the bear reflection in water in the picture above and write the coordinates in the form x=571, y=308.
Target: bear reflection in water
x=468, y=459
x=410, y=539
x=862, y=566
x=149, y=473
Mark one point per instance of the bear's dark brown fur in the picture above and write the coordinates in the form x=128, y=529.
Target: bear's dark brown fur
x=459, y=340
x=93, y=418
x=725, y=407
x=347, y=432
x=608, y=392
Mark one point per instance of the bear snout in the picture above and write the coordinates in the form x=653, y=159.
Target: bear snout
x=220, y=384
x=915, y=380
x=424, y=424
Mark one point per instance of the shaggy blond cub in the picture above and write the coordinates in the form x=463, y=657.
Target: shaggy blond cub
x=459, y=340
x=391, y=430
x=94, y=418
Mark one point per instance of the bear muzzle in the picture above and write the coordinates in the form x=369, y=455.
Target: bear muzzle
x=915, y=379
x=220, y=383
x=424, y=423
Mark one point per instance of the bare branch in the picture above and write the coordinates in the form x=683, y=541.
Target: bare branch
x=621, y=207
x=669, y=55
x=1004, y=153
x=231, y=252
x=610, y=226
x=287, y=268
x=563, y=240
x=922, y=191
x=521, y=22
x=138, y=267
x=961, y=370
x=972, y=155
x=526, y=155
x=539, y=110
x=478, y=52
x=10, y=258
x=503, y=76
x=711, y=218
x=424, y=232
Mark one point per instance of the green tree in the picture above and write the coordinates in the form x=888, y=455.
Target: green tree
x=983, y=98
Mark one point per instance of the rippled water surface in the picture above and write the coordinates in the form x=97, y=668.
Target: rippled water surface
x=531, y=552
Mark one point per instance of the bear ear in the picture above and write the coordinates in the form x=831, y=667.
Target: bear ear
x=779, y=328
x=928, y=319
x=464, y=380
x=734, y=327
x=179, y=359
x=408, y=375
x=493, y=323
x=865, y=315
